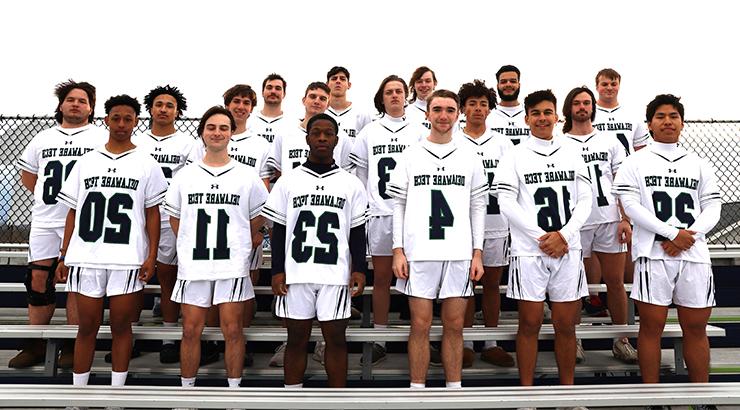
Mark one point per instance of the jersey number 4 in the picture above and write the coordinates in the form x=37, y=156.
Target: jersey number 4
x=441, y=216
x=96, y=209
x=301, y=252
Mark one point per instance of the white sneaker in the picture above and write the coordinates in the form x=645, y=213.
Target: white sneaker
x=318, y=352
x=580, y=354
x=623, y=350
x=278, y=358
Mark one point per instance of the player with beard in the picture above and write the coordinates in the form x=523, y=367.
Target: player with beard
x=268, y=121
x=508, y=117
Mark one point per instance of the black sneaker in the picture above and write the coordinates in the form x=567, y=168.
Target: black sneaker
x=208, y=353
x=170, y=353
x=435, y=357
x=378, y=354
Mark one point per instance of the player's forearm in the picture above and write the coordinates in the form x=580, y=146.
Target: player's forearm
x=357, y=248
x=645, y=218
x=69, y=228
x=399, y=213
x=152, y=229
x=518, y=217
x=708, y=218
x=581, y=211
x=277, y=241
x=478, y=220
x=29, y=180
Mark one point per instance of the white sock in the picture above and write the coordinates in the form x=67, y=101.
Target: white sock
x=234, y=382
x=468, y=344
x=118, y=378
x=294, y=386
x=168, y=324
x=187, y=381
x=378, y=326
x=453, y=385
x=80, y=379
x=489, y=344
x=417, y=385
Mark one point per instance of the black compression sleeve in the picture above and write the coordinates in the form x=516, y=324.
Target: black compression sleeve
x=277, y=244
x=357, y=248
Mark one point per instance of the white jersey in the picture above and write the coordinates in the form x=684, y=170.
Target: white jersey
x=110, y=193
x=490, y=148
x=171, y=153
x=265, y=127
x=51, y=155
x=674, y=185
x=214, y=206
x=510, y=122
x=542, y=177
x=378, y=149
x=351, y=120
x=318, y=211
x=251, y=150
x=289, y=150
x=416, y=112
x=603, y=155
x=622, y=125
x=438, y=182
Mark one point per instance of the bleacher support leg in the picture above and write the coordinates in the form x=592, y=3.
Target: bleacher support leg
x=678, y=357
x=630, y=311
x=50, y=360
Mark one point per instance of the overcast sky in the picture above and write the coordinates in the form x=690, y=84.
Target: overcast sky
x=684, y=47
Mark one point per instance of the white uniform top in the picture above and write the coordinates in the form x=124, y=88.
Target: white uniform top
x=490, y=148
x=246, y=148
x=110, y=193
x=51, y=155
x=378, y=149
x=510, y=122
x=215, y=206
x=624, y=126
x=265, y=127
x=438, y=182
x=171, y=153
x=289, y=150
x=603, y=155
x=542, y=176
x=674, y=186
x=318, y=211
x=351, y=120
x=416, y=112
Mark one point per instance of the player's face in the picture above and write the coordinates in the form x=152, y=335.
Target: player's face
x=217, y=133
x=425, y=85
x=608, y=88
x=164, y=110
x=508, y=86
x=581, y=108
x=240, y=107
x=321, y=140
x=666, y=124
x=75, y=108
x=442, y=114
x=541, y=119
x=315, y=102
x=274, y=92
x=121, y=122
x=476, y=110
x=393, y=98
x=339, y=84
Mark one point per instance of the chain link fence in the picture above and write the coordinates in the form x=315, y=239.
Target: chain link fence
x=718, y=141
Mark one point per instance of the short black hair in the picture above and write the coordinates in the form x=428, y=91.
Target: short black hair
x=216, y=109
x=538, y=97
x=182, y=102
x=336, y=70
x=62, y=89
x=477, y=89
x=275, y=76
x=506, y=69
x=322, y=116
x=663, y=99
x=122, y=99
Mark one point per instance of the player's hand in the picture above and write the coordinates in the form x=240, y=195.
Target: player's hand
x=553, y=244
x=400, y=266
x=61, y=272
x=684, y=240
x=254, y=277
x=357, y=283
x=476, y=265
x=670, y=248
x=147, y=269
x=624, y=232
x=279, y=288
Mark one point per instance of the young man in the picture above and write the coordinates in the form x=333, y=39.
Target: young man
x=44, y=164
x=544, y=191
x=170, y=148
x=672, y=197
x=476, y=102
x=606, y=232
x=422, y=83
x=268, y=122
x=375, y=154
x=289, y=149
x=508, y=117
x=318, y=238
x=350, y=119
x=111, y=236
x=612, y=118
x=214, y=207
x=438, y=216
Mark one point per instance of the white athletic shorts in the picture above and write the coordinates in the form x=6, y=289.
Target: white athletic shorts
x=563, y=279
x=660, y=282
x=44, y=243
x=96, y=282
x=206, y=293
x=380, y=235
x=308, y=300
x=167, y=251
x=601, y=238
x=255, y=258
x=496, y=252
x=437, y=280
